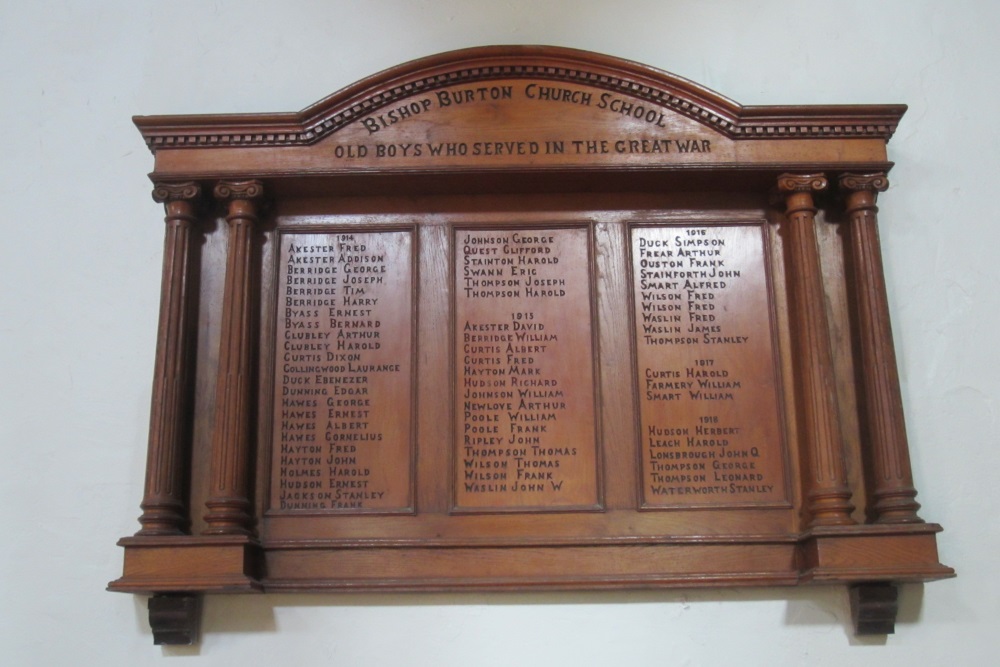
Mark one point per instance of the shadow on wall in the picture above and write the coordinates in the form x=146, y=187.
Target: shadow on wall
x=808, y=606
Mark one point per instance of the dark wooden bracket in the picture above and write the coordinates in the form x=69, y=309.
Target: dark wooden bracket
x=874, y=607
x=175, y=619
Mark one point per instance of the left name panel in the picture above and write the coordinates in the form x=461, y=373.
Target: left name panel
x=343, y=376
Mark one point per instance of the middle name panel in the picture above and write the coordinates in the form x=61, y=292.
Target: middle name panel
x=525, y=392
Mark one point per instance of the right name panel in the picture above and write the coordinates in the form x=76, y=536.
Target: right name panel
x=708, y=386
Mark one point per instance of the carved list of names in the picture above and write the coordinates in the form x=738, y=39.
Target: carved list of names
x=709, y=417
x=525, y=397
x=343, y=373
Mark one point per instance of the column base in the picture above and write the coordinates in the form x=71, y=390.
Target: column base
x=871, y=553
x=225, y=564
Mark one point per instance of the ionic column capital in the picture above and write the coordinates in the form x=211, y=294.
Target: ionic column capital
x=862, y=191
x=243, y=190
x=877, y=182
x=792, y=183
x=164, y=193
x=795, y=191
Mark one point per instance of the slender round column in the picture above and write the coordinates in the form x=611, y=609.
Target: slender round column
x=228, y=504
x=885, y=446
x=163, y=504
x=828, y=497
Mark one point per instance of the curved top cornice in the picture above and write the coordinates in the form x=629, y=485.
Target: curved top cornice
x=482, y=64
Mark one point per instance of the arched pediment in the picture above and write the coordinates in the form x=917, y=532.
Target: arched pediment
x=525, y=94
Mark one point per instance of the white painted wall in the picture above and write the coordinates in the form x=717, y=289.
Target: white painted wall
x=79, y=272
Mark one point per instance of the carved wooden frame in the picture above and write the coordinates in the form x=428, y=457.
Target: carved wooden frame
x=808, y=175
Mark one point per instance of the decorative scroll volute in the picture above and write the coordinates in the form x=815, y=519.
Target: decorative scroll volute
x=871, y=183
x=232, y=191
x=167, y=193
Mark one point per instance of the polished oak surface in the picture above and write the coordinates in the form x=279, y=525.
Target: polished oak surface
x=525, y=318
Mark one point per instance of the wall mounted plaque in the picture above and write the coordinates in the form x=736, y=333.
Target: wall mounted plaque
x=524, y=318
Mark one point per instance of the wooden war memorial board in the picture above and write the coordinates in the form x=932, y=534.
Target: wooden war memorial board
x=524, y=318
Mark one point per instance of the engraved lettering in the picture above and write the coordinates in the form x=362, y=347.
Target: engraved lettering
x=703, y=336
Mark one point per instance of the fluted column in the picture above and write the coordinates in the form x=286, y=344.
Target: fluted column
x=828, y=497
x=163, y=504
x=885, y=445
x=228, y=504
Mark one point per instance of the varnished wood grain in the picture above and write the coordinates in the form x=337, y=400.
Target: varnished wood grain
x=709, y=394
x=228, y=505
x=343, y=406
x=526, y=402
x=406, y=176
x=164, y=506
x=893, y=493
x=826, y=490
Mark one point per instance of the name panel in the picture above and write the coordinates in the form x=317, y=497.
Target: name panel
x=343, y=402
x=710, y=422
x=526, y=425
